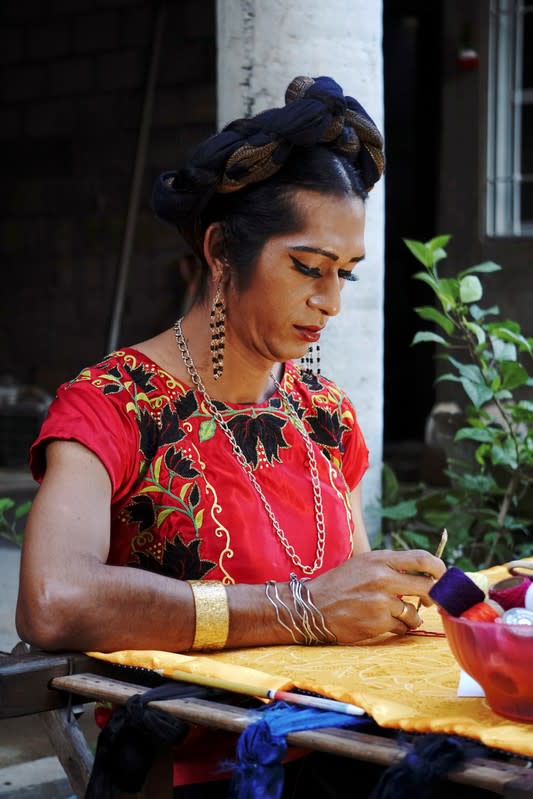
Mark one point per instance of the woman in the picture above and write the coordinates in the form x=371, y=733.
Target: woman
x=205, y=454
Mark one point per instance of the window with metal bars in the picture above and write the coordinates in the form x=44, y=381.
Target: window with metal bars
x=510, y=123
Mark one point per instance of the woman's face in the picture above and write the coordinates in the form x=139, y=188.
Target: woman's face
x=297, y=283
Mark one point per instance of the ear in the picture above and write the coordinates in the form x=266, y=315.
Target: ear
x=215, y=251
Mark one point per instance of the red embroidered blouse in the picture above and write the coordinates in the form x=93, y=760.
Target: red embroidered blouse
x=181, y=504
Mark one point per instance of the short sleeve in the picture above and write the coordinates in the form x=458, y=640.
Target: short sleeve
x=81, y=413
x=355, y=455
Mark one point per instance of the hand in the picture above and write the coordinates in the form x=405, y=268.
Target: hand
x=362, y=597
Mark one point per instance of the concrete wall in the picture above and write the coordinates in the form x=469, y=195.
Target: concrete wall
x=261, y=47
x=72, y=92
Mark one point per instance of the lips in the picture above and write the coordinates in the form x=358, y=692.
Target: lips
x=308, y=333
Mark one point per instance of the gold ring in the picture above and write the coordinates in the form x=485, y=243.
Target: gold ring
x=405, y=610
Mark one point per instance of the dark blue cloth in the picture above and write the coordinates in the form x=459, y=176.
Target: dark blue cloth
x=128, y=743
x=258, y=772
x=429, y=758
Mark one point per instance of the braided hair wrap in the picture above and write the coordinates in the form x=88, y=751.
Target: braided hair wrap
x=251, y=150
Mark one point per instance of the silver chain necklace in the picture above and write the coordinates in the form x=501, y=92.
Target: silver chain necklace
x=247, y=468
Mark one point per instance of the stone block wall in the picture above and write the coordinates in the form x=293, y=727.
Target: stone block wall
x=72, y=89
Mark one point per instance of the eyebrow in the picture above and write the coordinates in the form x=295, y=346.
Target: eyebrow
x=302, y=248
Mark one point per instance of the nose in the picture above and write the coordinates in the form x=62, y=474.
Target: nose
x=326, y=296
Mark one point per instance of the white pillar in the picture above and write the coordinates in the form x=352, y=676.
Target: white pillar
x=262, y=45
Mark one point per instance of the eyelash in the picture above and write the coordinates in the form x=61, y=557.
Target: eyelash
x=312, y=271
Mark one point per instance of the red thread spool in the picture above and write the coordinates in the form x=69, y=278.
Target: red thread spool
x=481, y=611
x=510, y=593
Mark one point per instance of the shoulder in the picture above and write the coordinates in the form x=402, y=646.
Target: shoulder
x=316, y=390
x=128, y=378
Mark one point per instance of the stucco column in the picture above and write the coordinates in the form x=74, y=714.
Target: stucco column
x=262, y=45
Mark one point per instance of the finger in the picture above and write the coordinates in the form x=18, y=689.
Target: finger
x=417, y=561
x=406, y=614
x=409, y=585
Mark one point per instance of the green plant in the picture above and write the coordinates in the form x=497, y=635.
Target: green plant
x=10, y=515
x=488, y=507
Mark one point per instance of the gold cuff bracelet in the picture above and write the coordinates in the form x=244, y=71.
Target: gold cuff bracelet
x=212, y=614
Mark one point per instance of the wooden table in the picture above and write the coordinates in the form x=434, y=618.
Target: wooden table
x=50, y=684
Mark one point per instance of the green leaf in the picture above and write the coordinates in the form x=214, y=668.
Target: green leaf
x=508, y=325
x=390, y=485
x=505, y=454
x=481, y=453
x=425, y=278
x=480, y=313
x=421, y=251
x=468, y=370
x=486, y=266
x=513, y=374
x=431, y=314
x=427, y=335
x=470, y=289
x=420, y=540
x=503, y=350
x=22, y=509
x=510, y=331
x=157, y=467
x=6, y=504
x=477, y=393
x=207, y=430
x=448, y=376
x=478, y=332
x=150, y=489
x=503, y=394
x=496, y=383
x=438, y=242
x=400, y=511
x=473, y=434
x=438, y=255
x=448, y=292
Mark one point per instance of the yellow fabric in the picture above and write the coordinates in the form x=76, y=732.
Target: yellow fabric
x=407, y=683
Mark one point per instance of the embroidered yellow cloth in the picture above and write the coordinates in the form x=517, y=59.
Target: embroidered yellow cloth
x=404, y=682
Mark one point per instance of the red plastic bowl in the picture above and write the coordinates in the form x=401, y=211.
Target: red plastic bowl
x=500, y=658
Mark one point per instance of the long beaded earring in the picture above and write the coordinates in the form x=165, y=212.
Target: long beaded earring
x=217, y=321
x=308, y=361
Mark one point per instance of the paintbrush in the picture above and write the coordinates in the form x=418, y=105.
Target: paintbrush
x=438, y=553
x=319, y=702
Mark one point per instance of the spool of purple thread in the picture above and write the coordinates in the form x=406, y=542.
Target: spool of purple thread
x=455, y=592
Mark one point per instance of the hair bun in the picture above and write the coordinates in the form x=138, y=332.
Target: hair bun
x=251, y=150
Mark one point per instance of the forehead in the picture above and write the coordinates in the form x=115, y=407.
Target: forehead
x=329, y=221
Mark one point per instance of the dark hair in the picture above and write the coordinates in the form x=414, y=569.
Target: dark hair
x=251, y=216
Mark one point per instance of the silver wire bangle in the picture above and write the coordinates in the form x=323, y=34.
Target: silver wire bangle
x=276, y=603
x=321, y=626
x=309, y=614
x=302, y=610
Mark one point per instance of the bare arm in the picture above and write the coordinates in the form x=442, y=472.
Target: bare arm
x=70, y=598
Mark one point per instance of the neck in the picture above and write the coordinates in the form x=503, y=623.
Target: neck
x=244, y=378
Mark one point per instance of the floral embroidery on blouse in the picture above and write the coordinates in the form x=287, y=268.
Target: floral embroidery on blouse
x=182, y=505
